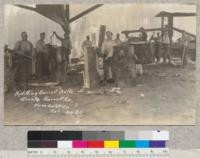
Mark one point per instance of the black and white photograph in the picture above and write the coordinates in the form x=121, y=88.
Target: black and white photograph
x=100, y=64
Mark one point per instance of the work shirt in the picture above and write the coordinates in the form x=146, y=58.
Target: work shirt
x=86, y=44
x=23, y=47
x=184, y=41
x=157, y=40
x=41, y=47
x=143, y=36
x=118, y=41
x=166, y=39
x=107, y=48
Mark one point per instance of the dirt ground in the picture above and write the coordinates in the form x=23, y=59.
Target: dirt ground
x=164, y=95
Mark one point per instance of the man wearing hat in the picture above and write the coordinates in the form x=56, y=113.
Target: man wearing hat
x=184, y=42
x=166, y=46
x=41, y=57
x=107, y=50
x=143, y=34
x=23, y=61
x=143, y=48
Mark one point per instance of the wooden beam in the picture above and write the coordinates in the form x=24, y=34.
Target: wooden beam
x=135, y=31
x=26, y=7
x=181, y=31
x=67, y=11
x=84, y=12
x=179, y=14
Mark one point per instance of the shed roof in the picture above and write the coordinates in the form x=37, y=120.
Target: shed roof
x=174, y=14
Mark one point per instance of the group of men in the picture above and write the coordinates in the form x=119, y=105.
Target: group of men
x=163, y=47
x=24, y=52
x=107, y=50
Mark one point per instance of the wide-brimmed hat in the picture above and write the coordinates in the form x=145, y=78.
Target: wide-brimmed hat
x=141, y=28
x=42, y=33
x=109, y=32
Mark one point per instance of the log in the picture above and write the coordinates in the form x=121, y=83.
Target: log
x=101, y=35
x=91, y=77
x=187, y=33
x=127, y=32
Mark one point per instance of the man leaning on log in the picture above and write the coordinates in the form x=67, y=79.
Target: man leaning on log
x=107, y=50
x=23, y=51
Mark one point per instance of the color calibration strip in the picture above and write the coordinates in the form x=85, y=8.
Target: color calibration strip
x=97, y=144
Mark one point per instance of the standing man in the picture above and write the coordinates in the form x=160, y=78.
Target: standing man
x=184, y=49
x=143, y=47
x=86, y=43
x=23, y=50
x=166, y=47
x=41, y=57
x=157, y=41
x=107, y=50
x=143, y=34
x=118, y=40
x=63, y=56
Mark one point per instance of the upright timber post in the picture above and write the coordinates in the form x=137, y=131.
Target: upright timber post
x=67, y=31
x=170, y=29
x=162, y=26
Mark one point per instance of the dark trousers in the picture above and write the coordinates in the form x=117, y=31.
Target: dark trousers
x=62, y=65
x=22, y=72
x=184, y=55
x=42, y=65
x=157, y=52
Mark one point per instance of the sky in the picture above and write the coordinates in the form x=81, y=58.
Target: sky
x=116, y=17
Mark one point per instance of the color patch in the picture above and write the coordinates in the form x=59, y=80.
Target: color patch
x=142, y=144
x=79, y=144
x=111, y=144
x=126, y=143
x=157, y=144
x=55, y=135
x=96, y=144
x=64, y=144
x=160, y=135
x=48, y=144
x=34, y=144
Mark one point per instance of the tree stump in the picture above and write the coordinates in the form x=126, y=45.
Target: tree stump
x=91, y=77
x=124, y=66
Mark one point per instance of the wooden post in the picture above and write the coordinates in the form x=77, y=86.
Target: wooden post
x=67, y=31
x=162, y=26
x=101, y=35
x=170, y=27
x=91, y=77
x=170, y=30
